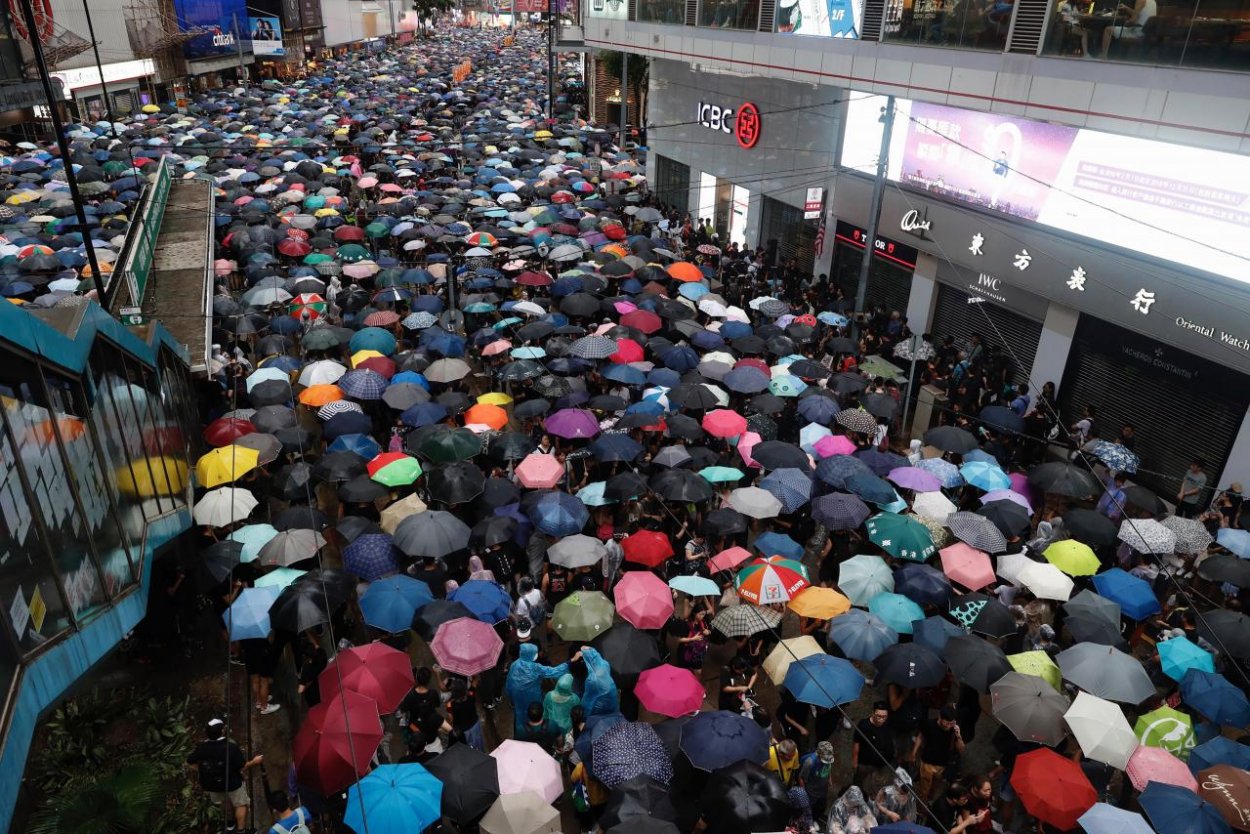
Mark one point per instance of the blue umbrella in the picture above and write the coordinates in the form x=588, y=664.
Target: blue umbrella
x=1108, y=819
x=615, y=447
x=792, y=487
x=596, y=726
x=820, y=410
x=896, y=611
x=1235, y=541
x=362, y=384
x=778, y=544
x=624, y=374
x=945, y=471
x=346, y=422
x=1114, y=455
x=1219, y=750
x=860, y=635
x=360, y=444
x=984, y=476
x=870, y=487
x=371, y=556
x=424, y=414
x=396, y=799
x=248, y=616
x=390, y=603
x=717, y=739
x=1180, y=654
x=627, y=750
x=902, y=827
x=824, y=680
x=924, y=584
x=1177, y=810
x=1135, y=596
x=935, y=632
x=558, y=514
x=680, y=358
x=695, y=586
x=488, y=601
x=837, y=470
x=253, y=537
x=1212, y=695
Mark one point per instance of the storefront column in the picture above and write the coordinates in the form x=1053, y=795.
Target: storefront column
x=1053, y=347
x=1237, y=469
x=923, y=293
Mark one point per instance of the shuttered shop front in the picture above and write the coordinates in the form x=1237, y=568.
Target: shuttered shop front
x=796, y=237
x=1015, y=332
x=1181, y=405
x=889, y=279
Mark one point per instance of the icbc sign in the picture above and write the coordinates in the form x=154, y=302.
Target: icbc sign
x=744, y=123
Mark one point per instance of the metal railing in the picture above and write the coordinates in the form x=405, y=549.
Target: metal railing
x=139, y=251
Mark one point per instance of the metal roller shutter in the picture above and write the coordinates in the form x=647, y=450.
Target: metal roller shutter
x=1182, y=406
x=672, y=183
x=796, y=237
x=1018, y=335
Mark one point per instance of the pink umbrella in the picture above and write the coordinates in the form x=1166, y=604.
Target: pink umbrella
x=223, y=268
x=724, y=422
x=367, y=182
x=669, y=691
x=1007, y=495
x=524, y=766
x=466, y=646
x=539, y=471
x=834, y=444
x=745, y=444
x=496, y=347
x=1154, y=764
x=968, y=566
x=644, y=600
x=729, y=559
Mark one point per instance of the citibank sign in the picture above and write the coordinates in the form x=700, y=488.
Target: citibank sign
x=743, y=123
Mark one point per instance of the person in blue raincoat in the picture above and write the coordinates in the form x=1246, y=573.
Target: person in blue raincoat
x=599, y=694
x=524, y=683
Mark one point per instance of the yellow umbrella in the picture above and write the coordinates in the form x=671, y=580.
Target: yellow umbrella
x=165, y=476
x=1038, y=664
x=787, y=651
x=820, y=603
x=1073, y=558
x=326, y=212
x=151, y=108
x=494, y=398
x=225, y=465
x=543, y=134
x=361, y=355
x=24, y=197
x=400, y=510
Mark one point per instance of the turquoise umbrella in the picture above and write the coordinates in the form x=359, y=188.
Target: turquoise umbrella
x=396, y=799
x=1179, y=654
x=253, y=537
x=721, y=474
x=592, y=494
x=695, y=586
x=279, y=578
x=896, y=611
x=863, y=577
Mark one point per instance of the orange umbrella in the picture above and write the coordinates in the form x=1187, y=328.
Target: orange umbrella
x=820, y=603
x=318, y=395
x=487, y=415
x=685, y=271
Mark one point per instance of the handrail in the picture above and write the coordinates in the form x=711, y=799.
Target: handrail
x=140, y=248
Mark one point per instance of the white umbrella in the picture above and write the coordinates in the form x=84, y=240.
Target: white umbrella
x=1045, y=581
x=577, y=551
x=1101, y=729
x=934, y=505
x=224, y=506
x=1010, y=566
x=323, y=372
x=755, y=502
x=1145, y=535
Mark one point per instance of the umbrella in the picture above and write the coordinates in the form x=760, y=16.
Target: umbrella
x=374, y=670
x=1094, y=619
x=1030, y=707
x=1154, y=764
x=984, y=476
x=521, y=813
x=772, y=579
x=910, y=665
x=336, y=743
x=558, y=513
x=896, y=610
x=778, y=661
x=644, y=600
x=525, y=767
x=647, y=547
x=470, y=781
x=628, y=651
x=967, y=566
x=1052, y=788
x=746, y=619
x=488, y=601
x=1167, y=729
x=576, y=551
x=816, y=603
x=1102, y=818
x=1178, y=655
x=1134, y=595
x=1228, y=630
x=901, y=536
x=951, y=439
x=1064, y=479
x=1101, y=730
x=979, y=613
x=1045, y=581
x=390, y=603
x=1089, y=526
x=1219, y=750
x=717, y=739
x=431, y=534
x=670, y=691
x=840, y=511
x=582, y=616
x=697, y=586
x=433, y=614
x=1191, y=537
x=860, y=635
x=1177, y=810
x=864, y=576
x=1145, y=535
x=1116, y=457
x=1072, y=557
x=823, y=680
x=224, y=506
x=1228, y=789
x=975, y=661
x=640, y=799
x=1213, y=696
x=745, y=798
x=370, y=556
x=935, y=632
x=248, y=616
x=977, y=531
x=394, y=797
x=630, y=749
x=466, y=646
x=1106, y=672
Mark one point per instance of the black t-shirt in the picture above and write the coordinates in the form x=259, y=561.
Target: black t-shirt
x=872, y=739
x=938, y=743
x=417, y=705
x=945, y=813
x=220, y=764
x=731, y=701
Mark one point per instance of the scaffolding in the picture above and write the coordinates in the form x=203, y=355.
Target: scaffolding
x=155, y=33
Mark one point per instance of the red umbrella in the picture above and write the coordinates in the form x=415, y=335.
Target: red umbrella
x=758, y=364
x=336, y=743
x=644, y=320
x=627, y=350
x=670, y=691
x=382, y=318
x=643, y=599
x=724, y=423
x=225, y=430
x=1053, y=788
x=345, y=234
x=533, y=279
x=466, y=646
x=647, y=547
x=294, y=248
x=383, y=365
x=375, y=670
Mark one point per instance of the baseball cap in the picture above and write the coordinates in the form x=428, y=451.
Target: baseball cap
x=523, y=629
x=216, y=722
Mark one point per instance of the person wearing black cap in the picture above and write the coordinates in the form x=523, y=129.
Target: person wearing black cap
x=220, y=764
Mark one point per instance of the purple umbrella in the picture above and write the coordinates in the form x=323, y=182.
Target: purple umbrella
x=1007, y=495
x=917, y=480
x=572, y=423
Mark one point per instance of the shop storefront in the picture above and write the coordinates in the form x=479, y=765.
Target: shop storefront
x=128, y=84
x=748, y=149
x=889, y=276
x=671, y=185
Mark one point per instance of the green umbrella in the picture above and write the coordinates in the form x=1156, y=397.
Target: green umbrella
x=447, y=445
x=901, y=536
x=377, y=230
x=399, y=472
x=315, y=258
x=721, y=474
x=583, y=616
x=351, y=253
x=1168, y=729
x=1037, y=664
x=320, y=339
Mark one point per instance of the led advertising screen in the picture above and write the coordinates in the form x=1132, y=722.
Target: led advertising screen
x=824, y=18
x=266, y=36
x=1186, y=205
x=223, y=18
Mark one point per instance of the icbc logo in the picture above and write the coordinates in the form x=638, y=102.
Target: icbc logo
x=747, y=129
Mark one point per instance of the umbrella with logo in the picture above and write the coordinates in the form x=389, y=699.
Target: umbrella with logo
x=901, y=536
x=771, y=579
x=1167, y=729
x=910, y=665
x=1228, y=789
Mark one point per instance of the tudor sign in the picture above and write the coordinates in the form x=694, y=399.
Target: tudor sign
x=744, y=123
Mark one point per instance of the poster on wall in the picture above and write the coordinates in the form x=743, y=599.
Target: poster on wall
x=611, y=9
x=266, y=36
x=1177, y=203
x=824, y=18
x=222, y=18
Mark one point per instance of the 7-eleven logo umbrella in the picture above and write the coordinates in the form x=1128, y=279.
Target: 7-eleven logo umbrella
x=771, y=580
x=311, y=302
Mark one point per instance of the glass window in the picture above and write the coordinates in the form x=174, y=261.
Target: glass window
x=662, y=11
x=729, y=14
x=94, y=490
x=162, y=435
x=1215, y=34
x=34, y=428
x=962, y=24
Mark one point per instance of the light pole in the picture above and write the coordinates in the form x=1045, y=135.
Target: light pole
x=874, y=213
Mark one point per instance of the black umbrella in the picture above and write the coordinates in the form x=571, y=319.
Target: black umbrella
x=951, y=439
x=1092, y=618
x=880, y=405
x=531, y=408
x=1224, y=567
x=725, y=521
x=270, y=418
x=624, y=486
x=270, y=392
x=911, y=665
x=692, y=397
x=683, y=426
x=362, y=489
x=1001, y=419
x=492, y=530
x=745, y=798
x=975, y=661
x=456, y=483
x=1009, y=517
x=433, y=614
x=353, y=527
x=628, y=651
x=979, y=613
x=300, y=606
x=339, y=466
x=1090, y=527
x=1140, y=498
x=1227, y=630
x=511, y=445
x=499, y=492
x=470, y=781
x=294, y=482
x=300, y=517
x=1064, y=479
x=681, y=485
x=640, y=798
x=776, y=454
x=217, y=561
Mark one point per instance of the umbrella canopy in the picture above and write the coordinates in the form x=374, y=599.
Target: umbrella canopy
x=628, y=750
x=336, y=742
x=582, y=616
x=525, y=767
x=628, y=651
x=1216, y=698
x=910, y=665
x=1102, y=818
x=860, y=635
x=466, y=646
x=670, y=691
x=394, y=797
x=470, y=781
x=1166, y=728
x=712, y=740
x=1101, y=729
x=863, y=577
x=644, y=600
x=1228, y=789
x=1177, y=810
x=1106, y=672
x=375, y=670
x=975, y=661
x=745, y=798
x=521, y=813
x=1030, y=707
x=823, y=680
x=1154, y=764
x=1052, y=788
x=772, y=579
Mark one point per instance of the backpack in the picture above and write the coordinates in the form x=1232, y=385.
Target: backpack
x=300, y=827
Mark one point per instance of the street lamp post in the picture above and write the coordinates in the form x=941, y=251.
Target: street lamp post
x=874, y=213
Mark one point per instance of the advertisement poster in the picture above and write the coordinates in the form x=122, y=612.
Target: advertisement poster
x=823, y=18
x=266, y=36
x=222, y=19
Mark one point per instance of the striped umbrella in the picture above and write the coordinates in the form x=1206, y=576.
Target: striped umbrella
x=770, y=580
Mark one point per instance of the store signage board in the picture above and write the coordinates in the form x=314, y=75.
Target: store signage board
x=743, y=123
x=813, y=202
